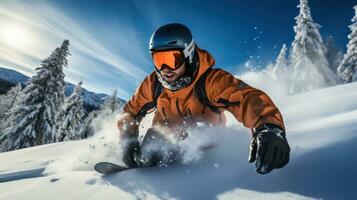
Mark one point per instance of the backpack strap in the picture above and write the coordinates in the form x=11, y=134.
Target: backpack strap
x=200, y=91
x=157, y=90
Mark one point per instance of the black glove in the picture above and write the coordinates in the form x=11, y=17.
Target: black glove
x=131, y=151
x=269, y=148
x=158, y=149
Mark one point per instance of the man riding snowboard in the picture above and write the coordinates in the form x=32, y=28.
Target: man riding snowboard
x=185, y=90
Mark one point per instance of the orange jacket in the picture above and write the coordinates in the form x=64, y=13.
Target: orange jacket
x=249, y=105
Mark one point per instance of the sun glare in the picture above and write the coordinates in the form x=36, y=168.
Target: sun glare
x=13, y=35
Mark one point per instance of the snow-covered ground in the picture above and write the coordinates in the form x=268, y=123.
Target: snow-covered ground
x=321, y=129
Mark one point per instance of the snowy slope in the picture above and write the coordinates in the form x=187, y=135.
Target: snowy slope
x=322, y=131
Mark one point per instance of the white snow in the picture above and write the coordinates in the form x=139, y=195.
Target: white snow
x=321, y=129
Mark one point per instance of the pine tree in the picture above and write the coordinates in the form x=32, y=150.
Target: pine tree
x=310, y=66
x=281, y=63
x=7, y=101
x=333, y=54
x=32, y=120
x=87, y=129
x=111, y=103
x=71, y=116
x=93, y=121
x=347, y=69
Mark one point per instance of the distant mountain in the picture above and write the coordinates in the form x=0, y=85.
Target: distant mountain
x=92, y=100
x=12, y=76
x=9, y=78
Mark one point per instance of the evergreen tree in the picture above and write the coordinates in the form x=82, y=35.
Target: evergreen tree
x=334, y=55
x=310, y=66
x=281, y=63
x=32, y=120
x=111, y=103
x=7, y=101
x=92, y=123
x=71, y=116
x=88, y=127
x=347, y=70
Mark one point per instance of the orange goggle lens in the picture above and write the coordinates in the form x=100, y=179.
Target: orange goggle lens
x=172, y=59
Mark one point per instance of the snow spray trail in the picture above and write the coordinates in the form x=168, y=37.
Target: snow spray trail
x=105, y=146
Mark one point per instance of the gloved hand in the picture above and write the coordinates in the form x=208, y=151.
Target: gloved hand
x=158, y=149
x=131, y=151
x=128, y=128
x=269, y=148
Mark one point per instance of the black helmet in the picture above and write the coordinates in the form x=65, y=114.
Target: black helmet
x=173, y=36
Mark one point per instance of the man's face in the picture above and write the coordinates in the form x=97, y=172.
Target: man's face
x=170, y=75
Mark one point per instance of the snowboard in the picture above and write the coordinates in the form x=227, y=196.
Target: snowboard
x=108, y=168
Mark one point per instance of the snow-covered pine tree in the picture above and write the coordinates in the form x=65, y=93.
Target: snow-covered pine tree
x=310, y=66
x=111, y=103
x=93, y=121
x=71, y=116
x=7, y=101
x=281, y=63
x=347, y=69
x=32, y=120
x=88, y=127
x=334, y=54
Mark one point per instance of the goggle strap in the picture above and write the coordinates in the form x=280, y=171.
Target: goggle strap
x=187, y=52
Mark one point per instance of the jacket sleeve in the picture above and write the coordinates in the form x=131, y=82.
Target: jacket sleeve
x=142, y=96
x=250, y=106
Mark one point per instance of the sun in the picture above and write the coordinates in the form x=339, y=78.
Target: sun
x=14, y=35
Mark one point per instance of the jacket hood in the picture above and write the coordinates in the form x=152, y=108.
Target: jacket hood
x=206, y=61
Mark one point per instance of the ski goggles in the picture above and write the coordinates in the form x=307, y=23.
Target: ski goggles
x=173, y=59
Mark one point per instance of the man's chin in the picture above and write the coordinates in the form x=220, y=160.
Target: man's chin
x=170, y=80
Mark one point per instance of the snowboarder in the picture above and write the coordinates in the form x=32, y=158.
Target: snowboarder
x=185, y=90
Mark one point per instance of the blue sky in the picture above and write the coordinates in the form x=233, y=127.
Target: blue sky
x=109, y=39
